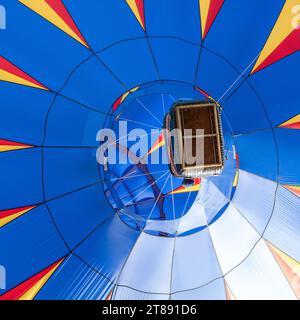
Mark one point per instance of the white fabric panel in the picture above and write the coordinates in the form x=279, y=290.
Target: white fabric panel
x=283, y=229
x=148, y=267
x=212, y=291
x=233, y=238
x=259, y=277
x=194, y=218
x=124, y=293
x=195, y=262
x=211, y=199
x=254, y=198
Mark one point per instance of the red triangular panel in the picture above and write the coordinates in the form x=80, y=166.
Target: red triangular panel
x=214, y=8
x=61, y=10
x=11, y=69
x=288, y=46
x=17, y=292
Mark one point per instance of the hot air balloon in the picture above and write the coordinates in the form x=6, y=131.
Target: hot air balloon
x=72, y=228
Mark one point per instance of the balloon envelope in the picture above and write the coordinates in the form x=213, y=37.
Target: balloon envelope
x=72, y=229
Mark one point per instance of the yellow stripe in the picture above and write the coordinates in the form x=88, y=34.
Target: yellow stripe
x=291, y=121
x=293, y=188
x=125, y=95
x=32, y=292
x=134, y=89
x=236, y=179
x=161, y=144
x=9, y=77
x=8, y=219
x=190, y=189
x=281, y=31
x=135, y=10
x=204, y=7
x=11, y=148
x=291, y=262
x=43, y=9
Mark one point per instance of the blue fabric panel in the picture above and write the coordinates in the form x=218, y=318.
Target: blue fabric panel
x=21, y=178
x=79, y=213
x=74, y=168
